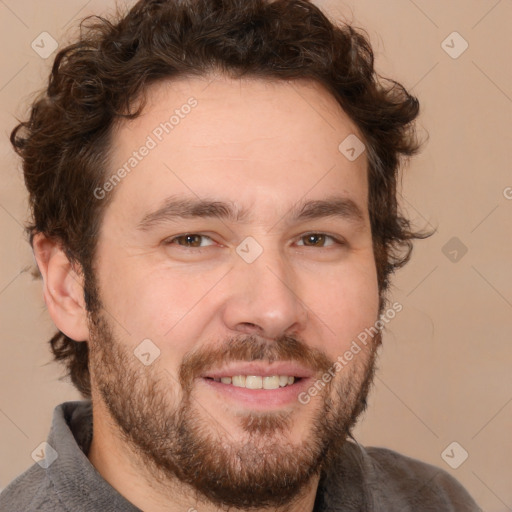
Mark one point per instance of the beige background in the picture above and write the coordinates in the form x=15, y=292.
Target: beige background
x=445, y=368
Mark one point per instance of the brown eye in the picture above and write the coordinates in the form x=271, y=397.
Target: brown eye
x=190, y=240
x=317, y=240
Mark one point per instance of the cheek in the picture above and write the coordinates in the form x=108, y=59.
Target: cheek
x=155, y=303
x=344, y=303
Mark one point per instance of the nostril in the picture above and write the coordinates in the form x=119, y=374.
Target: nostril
x=250, y=328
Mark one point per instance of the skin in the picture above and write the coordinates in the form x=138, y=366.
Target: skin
x=262, y=146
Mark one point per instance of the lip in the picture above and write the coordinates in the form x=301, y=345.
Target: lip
x=260, y=368
x=258, y=399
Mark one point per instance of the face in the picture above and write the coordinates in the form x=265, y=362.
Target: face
x=234, y=267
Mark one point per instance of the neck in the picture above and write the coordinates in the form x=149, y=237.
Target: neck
x=128, y=474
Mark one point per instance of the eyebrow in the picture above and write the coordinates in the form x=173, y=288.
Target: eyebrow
x=176, y=208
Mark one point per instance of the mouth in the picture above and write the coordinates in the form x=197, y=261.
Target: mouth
x=259, y=386
x=258, y=381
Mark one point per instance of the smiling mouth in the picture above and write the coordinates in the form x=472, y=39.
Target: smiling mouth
x=257, y=381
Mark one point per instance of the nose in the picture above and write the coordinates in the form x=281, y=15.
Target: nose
x=263, y=299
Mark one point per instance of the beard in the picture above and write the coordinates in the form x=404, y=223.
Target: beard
x=177, y=441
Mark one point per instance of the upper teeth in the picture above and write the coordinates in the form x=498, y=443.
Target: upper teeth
x=257, y=381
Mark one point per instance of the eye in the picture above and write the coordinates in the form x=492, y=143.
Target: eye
x=190, y=240
x=318, y=240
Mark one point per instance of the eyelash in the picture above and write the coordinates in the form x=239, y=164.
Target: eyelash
x=171, y=241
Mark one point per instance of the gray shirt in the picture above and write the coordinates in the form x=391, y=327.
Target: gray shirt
x=363, y=479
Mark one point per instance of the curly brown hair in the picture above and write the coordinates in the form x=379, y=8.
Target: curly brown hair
x=64, y=143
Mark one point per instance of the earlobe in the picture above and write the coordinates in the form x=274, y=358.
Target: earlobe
x=62, y=288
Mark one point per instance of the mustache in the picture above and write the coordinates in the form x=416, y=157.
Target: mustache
x=250, y=348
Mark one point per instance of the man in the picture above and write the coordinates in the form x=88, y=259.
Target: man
x=213, y=187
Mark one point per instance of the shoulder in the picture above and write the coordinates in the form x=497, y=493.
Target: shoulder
x=30, y=491
x=414, y=484
x=34, y=490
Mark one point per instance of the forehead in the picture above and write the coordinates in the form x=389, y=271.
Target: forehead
x=240, y=111
x=250, y=139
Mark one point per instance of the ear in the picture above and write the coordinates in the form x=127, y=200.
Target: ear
x=62, y=288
